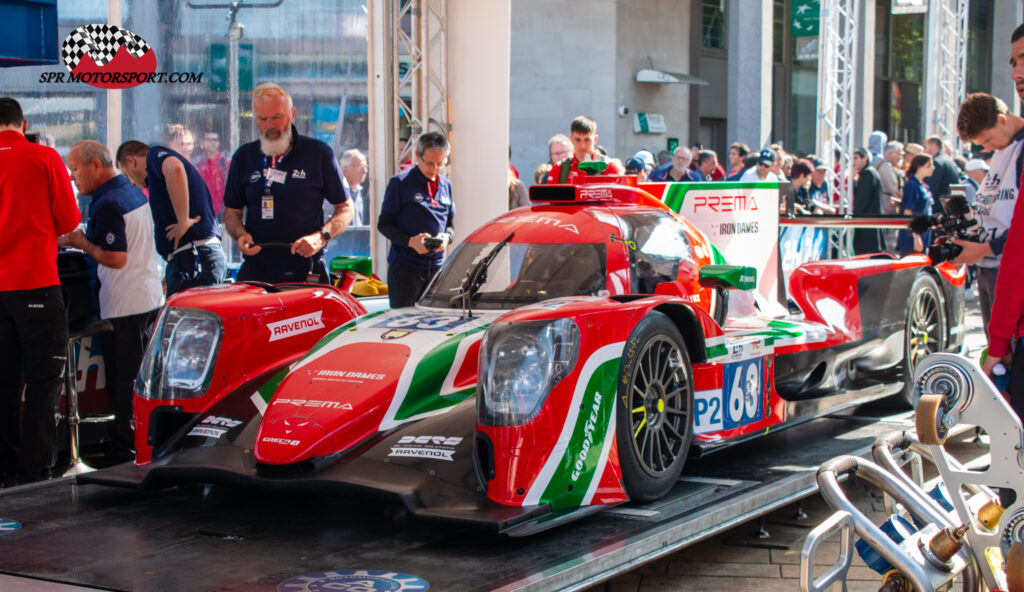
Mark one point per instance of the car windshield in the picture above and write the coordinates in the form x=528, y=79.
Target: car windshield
x=521, y=273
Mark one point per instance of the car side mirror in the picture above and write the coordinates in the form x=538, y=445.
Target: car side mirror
x=732, y=277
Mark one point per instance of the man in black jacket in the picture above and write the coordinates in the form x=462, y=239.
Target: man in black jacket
x=946, y=172
x=867, y=199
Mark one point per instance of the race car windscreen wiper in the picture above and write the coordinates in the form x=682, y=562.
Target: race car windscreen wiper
x=476, y=278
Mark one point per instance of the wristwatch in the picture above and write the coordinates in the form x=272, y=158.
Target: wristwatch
x=325, y=235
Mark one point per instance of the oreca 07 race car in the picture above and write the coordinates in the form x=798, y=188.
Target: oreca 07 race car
x=569, y=356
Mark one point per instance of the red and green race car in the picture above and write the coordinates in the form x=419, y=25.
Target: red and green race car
x=568, y=357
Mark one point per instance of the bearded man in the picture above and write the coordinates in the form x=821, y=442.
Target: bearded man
x=280, y=182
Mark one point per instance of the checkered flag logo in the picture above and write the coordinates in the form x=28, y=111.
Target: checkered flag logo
x=101, y=43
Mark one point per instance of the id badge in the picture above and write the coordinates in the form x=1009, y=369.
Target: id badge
x=277, y=176
x=267, y=206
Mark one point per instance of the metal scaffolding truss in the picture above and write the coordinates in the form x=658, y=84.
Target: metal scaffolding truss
x=408, y=91
x=951, y=67
x=838, y=66
x=419, y=70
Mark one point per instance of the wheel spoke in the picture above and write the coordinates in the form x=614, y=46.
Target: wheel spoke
x=641, y=425
x=639, y=410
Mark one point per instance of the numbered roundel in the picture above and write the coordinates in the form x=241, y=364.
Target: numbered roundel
x=740, y=402
x=354, y=580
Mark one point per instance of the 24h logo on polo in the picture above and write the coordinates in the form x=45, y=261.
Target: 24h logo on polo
x=354, y=580
x=108, y=56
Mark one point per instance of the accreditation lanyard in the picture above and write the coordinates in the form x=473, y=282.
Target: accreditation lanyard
x=271, y=175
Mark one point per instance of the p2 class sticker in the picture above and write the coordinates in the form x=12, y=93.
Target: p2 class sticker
x=354, y=580
x=8, y=526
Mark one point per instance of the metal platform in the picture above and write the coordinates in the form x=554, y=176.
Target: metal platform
x=87, y=537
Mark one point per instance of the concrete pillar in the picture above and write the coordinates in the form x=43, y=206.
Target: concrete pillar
x=864, y=120
x=1006, y=15
x=750, y=72
x=478, y=91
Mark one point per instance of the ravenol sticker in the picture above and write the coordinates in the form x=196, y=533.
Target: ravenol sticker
x=9, y=526
x=422, y=321
x=354, y=580
x=433, y=447
x=739, y=403
x=296, y=326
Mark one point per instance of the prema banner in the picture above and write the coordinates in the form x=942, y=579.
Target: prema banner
x=740, y=219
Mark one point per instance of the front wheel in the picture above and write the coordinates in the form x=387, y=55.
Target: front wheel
x=654, y=422
x=925, y=330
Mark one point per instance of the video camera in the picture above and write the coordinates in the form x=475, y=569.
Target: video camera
x=955, y=222
x=433, y=243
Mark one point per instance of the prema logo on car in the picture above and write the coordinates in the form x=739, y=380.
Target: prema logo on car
x=725, y=203
x=296, y=326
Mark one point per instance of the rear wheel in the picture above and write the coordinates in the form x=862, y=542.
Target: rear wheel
x=654, y=423
x=925, y=330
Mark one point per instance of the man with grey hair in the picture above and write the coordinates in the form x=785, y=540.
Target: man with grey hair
x=678, y=169
x=353, y=170
x=891, y=175
x=119, y=237
x=280, y=182
x=418, y=217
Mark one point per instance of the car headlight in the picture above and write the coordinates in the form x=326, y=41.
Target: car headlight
x=179, y=361
x=519, y=365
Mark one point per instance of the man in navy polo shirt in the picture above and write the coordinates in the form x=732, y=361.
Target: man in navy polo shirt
x=187, y=234
x=119, y=238
x=281, y=181
x=417, y=205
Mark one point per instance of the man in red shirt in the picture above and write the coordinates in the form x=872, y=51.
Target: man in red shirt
x=213, y=168
x=583, y=135
x=36, y=206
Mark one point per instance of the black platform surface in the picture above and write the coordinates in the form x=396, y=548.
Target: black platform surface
x=223, y=539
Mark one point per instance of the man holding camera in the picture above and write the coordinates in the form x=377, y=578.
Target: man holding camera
x=418, y=217
x=985, y=120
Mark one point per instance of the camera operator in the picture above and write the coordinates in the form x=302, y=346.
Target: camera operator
x=417, y=216
x=985, y=120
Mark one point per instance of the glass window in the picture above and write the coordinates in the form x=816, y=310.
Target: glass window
x=520, y=274
x=713, y=21
x=979, y=46
x=316, y=49
x=661, y=245
x=900, y=62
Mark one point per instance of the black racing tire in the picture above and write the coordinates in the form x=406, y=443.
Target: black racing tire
x=654, y=410
x=925, y=331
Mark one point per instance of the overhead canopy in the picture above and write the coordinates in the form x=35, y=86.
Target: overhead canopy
x=30, y=33
x=662, y=77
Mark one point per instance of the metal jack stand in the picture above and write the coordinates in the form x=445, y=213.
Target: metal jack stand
x=71, y=394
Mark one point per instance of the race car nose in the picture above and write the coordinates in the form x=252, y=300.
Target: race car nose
x=291, y=439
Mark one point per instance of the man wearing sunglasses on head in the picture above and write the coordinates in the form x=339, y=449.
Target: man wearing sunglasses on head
x=281, y=181
x=186, y=230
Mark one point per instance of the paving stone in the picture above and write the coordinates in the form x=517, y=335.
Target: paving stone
x=752, y=570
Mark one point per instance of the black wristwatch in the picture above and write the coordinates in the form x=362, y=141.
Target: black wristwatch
x=326, y=235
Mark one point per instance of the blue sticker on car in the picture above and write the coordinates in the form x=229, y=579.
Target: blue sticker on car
x=9, y=526
x=420, y=321
x=354, y=580
x=740, y=402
